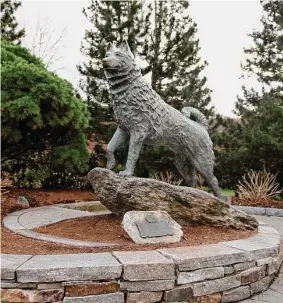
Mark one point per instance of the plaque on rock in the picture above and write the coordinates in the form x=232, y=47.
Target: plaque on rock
x=152, y=227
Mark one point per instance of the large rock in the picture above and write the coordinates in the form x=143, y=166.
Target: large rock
x=186, y=205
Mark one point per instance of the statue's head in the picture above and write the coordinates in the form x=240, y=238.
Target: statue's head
x=118, y=58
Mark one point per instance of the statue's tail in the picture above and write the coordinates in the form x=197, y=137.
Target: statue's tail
x=194, y=114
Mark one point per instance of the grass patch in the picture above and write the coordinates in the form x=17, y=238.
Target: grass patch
x=227, y=192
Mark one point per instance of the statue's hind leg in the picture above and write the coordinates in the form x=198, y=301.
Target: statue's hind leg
x=205, y=168
x=186, y=170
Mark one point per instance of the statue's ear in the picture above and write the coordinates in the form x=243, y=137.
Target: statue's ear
x=125, y=47
x=110, y=45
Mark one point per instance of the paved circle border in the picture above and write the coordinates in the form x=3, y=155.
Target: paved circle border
x=12, y=223
x=260, y=211
x=229, y=271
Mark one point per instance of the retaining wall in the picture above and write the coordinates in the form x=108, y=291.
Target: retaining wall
x=223, y=272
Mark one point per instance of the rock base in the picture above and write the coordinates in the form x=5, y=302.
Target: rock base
x=186, y=205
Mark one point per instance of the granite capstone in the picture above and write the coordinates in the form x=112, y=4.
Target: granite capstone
x=53, y=268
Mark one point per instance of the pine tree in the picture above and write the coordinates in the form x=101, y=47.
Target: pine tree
x=264, y=58
x=256, y=141
x=176, y=64
x=9, y=24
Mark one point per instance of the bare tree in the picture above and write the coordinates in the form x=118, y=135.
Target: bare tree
x=47, y=43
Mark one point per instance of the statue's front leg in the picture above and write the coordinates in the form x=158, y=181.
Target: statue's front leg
x=136, y=142
x=117, y=140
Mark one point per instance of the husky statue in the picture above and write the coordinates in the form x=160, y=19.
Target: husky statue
x=145, y=118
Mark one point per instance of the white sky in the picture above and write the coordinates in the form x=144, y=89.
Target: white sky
x=222, y=30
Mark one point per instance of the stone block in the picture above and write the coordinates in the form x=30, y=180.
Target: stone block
x=185, y=277
x=275, y=212
x=236, y=294
x=253, y=274
x=21, y=295
x=49, y=285
x=131, y=218
x=156, y=285
x=116, y=297
x=261, y=285
x=11, y=222
x=259, y=211
x=180, y=293
x=9, y=284
x=144, y=296
x=195, y=257
x=244, y=266
x=9, y=264
x=91, y=289
x=212, y=298
x=57, y=268
x=257, y=247
x=264, y=261
x=145, y=265
x=228, y=270
x=274, y=266
x=213, y=286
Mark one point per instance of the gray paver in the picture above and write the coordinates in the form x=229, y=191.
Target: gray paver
x=145, y=265
x=42, y=216
x=11, y=222
x=55, y=268
x=276, y=212
x=195, y=257
x=9, y=264
x=21, y=222
x=252, y=210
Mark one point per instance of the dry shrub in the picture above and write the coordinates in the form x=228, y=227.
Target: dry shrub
x=167, y=177
x=257, y=186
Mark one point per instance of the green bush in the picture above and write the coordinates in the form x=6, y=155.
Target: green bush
x=43, y=123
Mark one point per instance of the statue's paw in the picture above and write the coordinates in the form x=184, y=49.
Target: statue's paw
x=125, y=173
x=110, y=165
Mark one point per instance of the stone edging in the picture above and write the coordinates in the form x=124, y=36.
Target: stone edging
x=260, y=211
x=23, y=221
x=227, y=272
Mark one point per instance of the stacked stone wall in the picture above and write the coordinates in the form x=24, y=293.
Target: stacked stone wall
x=225, y=272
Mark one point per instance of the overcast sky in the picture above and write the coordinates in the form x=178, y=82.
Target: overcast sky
x=222, y=29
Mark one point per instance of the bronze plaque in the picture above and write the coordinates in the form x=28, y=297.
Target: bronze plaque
x=152, y=227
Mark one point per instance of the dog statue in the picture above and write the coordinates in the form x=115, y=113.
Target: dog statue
x=145, y=118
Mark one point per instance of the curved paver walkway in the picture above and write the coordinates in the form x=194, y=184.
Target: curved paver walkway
x=275, y=293
x=22, y=222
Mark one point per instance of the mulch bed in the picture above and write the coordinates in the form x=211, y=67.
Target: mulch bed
x=108, y=229
x=102, y=229
x=263, y=203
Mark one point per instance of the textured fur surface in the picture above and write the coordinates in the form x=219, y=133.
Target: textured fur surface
x=144, y=118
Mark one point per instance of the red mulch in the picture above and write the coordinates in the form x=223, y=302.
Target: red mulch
x=103, y=229
x=263, y=203
x=108, y=229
